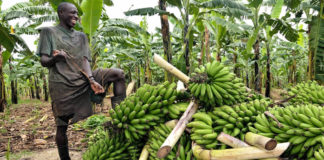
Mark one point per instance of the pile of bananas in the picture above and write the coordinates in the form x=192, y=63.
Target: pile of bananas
x=202, y=131
x=253, y=95
x=230, y=120
x=158, y=135
x=215, y=85
x=112, y=147
x=310, y=92
x=176, y=109
x=301, y=125
x=146, y=108
x=319, y=154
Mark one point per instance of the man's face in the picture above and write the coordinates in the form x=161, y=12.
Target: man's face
x=69, y=16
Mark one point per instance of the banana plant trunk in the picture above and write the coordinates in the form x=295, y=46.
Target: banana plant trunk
x=2, y=85
x=45, y=86
x=13, y=84
x=186, y=42
x=257, y=79
x=32, y=88
x=14, y=97
x=207, y=44
x=236, y=68
x=294, y=68
x=166, y=36
x=202, y=51
x=37, y=87
x=311, y=54
x=268, y=84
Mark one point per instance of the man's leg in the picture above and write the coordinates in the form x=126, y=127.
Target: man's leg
x=61, y=138
x=115, y=76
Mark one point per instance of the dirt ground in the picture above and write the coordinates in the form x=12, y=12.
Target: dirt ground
x=30, y=128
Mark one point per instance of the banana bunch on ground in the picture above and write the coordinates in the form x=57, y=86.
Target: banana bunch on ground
x=310, y=92
x=253, y=95
x=215, y=85
x=319, y=154
x=202, y=131
x=176, y=109
x=181, y=151
x=301, y=125
x=112, y=147
x=144, y=109
x=235, y=120
x=230, y=120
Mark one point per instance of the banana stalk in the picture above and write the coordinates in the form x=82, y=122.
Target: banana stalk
x=231, y=141
x=236, y=143
x=260, y=141
x=177, y=130
x=130, y=88
x=144, y=154
x=238, y=153
x=170, y=68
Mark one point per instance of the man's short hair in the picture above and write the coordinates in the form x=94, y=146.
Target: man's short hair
x=62, y=6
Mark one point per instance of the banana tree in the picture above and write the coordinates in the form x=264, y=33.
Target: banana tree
x=123, y=38
x=11, y=42
x=317, y=43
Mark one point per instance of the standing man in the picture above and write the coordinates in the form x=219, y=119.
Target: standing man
x=66, y=54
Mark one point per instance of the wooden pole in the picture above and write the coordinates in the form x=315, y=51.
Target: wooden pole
x=171, y=69
x=177, y=130
x=236, y=143
x=238, y=153
x=144, y=154
x=260, y=141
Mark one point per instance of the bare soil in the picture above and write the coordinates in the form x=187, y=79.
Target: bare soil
x=30, y=128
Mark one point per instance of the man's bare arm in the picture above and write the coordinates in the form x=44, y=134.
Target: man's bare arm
x=48, y=61
x=96, y=87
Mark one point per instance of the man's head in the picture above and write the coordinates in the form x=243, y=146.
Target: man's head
x=68, y=14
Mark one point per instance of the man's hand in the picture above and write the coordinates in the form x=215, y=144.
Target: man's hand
x=59, y=55
x=96, y=87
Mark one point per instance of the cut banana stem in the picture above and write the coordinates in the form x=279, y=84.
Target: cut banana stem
x=236, y=143
x=170, y=68
x=177, y=130
x=130, y=88
x=231, y=141
x=238, y=153
x=144, y=154
x=260, y=141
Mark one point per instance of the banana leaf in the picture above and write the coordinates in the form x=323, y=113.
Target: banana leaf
x=91, y=14
x=317, y=42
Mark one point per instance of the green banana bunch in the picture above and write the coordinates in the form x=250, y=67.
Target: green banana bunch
x=202, y=131
x=215, y=85
x=308, y=92
x=144, y=109
x=253, y=95
x=302, y=126
x=158, y=135
x=176, y=109
x=234, y=121
x=319, y=154
x=113, y=147
x=184, y=148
